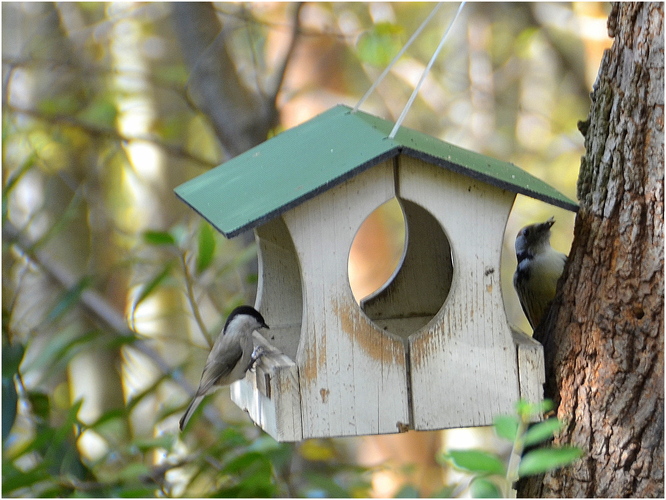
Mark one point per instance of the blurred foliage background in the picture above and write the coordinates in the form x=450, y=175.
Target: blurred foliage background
x=111, y=286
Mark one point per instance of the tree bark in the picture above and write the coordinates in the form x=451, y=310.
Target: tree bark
x=604, y=336
x=241, y=116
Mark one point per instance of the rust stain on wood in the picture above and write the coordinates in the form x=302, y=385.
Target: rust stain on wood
x=374, y=341
x=315, y=357
x=419, y=350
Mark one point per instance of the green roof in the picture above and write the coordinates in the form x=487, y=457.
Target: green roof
x=323, y=152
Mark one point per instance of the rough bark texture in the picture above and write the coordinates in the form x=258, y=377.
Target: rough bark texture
x=241, y=116
x=604, y=337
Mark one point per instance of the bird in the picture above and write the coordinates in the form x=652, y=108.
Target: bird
x=539, y=267
x=232, y=355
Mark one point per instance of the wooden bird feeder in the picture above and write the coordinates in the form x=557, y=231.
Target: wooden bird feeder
x=432, y=349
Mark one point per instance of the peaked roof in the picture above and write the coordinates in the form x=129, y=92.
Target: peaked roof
x=323, y=152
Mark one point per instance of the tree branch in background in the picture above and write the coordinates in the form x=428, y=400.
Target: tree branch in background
x=274, y=89
x=241, y=117
x=189, y=285
x=108, y=132
x=569, y=56
x=92, y=301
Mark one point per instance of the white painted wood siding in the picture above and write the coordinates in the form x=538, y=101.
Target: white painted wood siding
x=464, y=368
x=353, y=375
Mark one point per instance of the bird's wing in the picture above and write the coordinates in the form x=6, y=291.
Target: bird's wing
x=535, y=299
x=219, y=367
x=533, y=309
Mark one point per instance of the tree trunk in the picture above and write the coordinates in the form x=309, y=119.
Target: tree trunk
x=241, y=116
x=604, y=337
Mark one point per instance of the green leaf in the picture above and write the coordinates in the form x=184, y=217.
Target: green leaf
x=484, y=488
x=40, y=443
x=121, y=340
x=63, y=432
x=506, y=427
x=233, y=437
x=151, y=286
x=547, y=459
x=13, y=180
x=528, y=410
x=133, y=470
x=242, y=462
x=69, y=299
x=254, y=474
x=206, y=247
x=108, y=416
x=379, y=45
x=12, y=355
x=542, y=431
x=9, y=405
x=13, y=478
x=40, y=404
x=476, y=461
x=69, y=463
x=64, y=104
x=102, y=112
x=137, y=492
x=158, y=238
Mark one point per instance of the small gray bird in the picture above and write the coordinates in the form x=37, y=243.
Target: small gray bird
x=539, y=268
x=231, y=356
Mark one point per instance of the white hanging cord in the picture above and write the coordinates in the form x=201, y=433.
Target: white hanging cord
x=425, y=73
x=398, y=56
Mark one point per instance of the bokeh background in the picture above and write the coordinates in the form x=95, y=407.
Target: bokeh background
x=111, y=287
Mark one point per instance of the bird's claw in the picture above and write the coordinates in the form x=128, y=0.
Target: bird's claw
x=258, y=352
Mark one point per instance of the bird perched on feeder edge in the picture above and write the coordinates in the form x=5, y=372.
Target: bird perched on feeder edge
x=232, y=355
x=539, y=267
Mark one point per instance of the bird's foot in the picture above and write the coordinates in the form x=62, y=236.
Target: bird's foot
x=258, y=352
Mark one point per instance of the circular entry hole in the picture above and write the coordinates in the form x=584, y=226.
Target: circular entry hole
x=377, y=249
x=404, y=293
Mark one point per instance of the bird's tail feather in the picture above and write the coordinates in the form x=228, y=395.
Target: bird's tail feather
x=188, y=413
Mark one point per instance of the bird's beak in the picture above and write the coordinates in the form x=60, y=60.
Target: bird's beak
x=549, y=223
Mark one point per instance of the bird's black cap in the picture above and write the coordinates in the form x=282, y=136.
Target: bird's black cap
x=248, y=310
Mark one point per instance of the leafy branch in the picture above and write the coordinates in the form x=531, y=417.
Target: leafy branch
x=108, y=132
x=90, y=299
x=491, y=478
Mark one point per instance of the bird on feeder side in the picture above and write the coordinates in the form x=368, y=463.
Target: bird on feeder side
x=539, y=267
x=232, y=355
